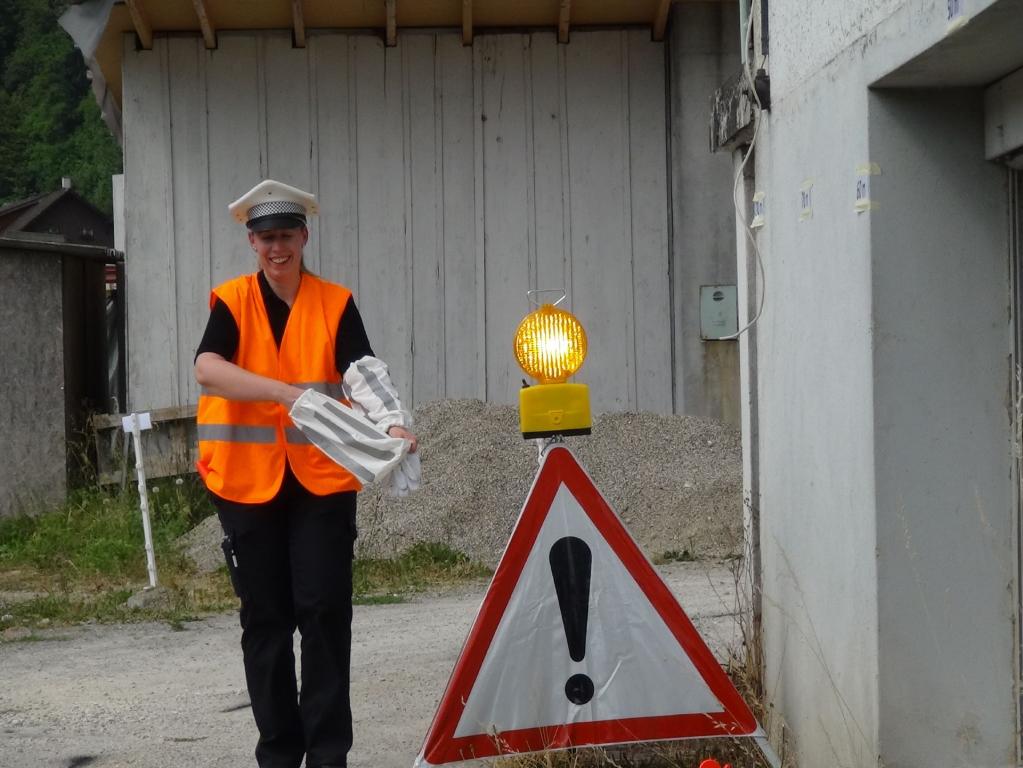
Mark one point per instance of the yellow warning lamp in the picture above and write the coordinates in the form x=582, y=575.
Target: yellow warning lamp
x=550, y=346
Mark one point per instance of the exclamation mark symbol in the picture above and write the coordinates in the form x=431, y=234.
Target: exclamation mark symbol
x=570, y=566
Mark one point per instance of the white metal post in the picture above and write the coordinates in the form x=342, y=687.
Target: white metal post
x=143, y=499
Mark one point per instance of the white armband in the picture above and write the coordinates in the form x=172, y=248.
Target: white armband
x=368, y=385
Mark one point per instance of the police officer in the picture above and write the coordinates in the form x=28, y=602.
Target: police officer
x=288, y=512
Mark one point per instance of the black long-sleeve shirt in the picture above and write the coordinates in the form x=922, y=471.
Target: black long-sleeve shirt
x=221, y=335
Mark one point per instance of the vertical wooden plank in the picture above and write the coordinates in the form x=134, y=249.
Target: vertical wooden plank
x=234, y=128
x=479, y=190
x=530, y=165
x=462, y=353
x=650, y=246
x=332, y=97
x=630, y=312
x=148, y=219
x=288, y=136
x=315, y=234
x=353, y=160
x=507, y=179
x=566, y=177
x=547, y=163
x=117, y=199
x=383, y=279
x=601, y=258
x=426, y=217
x=406, y=139
x=187, y=60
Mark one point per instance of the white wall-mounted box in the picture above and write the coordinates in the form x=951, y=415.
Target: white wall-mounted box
x=719, y=311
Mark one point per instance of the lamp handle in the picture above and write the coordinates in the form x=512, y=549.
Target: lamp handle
x=531, y=295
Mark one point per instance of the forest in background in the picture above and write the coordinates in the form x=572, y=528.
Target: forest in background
x=50, y=124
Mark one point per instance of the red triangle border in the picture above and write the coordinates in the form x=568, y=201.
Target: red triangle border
x=441, y=746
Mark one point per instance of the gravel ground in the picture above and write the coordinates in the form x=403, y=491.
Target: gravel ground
x=676, y=481
x=146, y=696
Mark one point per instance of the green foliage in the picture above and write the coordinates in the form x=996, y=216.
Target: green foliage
x=50, y=125
x=82, y=560
x=98, y=531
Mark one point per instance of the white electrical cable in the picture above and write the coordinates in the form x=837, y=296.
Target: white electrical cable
x=739, y=209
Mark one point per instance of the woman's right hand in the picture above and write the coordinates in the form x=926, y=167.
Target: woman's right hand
x=289, y=395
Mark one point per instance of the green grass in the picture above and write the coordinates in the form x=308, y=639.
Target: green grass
x=674, y=556
x=98, y=531
x=80, y=562
x=423, y=566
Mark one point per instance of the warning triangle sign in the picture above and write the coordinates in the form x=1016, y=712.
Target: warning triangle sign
x=578, y=641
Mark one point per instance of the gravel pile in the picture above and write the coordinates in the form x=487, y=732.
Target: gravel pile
x=675, y=481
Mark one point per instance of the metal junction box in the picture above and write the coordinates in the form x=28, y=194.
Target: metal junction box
x=719, y=311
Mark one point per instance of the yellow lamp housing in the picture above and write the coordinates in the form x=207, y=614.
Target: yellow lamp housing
x=550, y=346
x=546, y=410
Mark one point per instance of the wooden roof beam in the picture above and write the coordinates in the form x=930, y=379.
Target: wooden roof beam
x=661, y=19
x=564, y=16
x=466, y=22
x=392, y=24
x=141, y=23
x=298, y=22
x=208, y=33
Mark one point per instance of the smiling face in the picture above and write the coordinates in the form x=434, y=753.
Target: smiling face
x=280, y=252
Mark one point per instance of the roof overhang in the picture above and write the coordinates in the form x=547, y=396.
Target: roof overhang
x=985, y=48
x=97, y=25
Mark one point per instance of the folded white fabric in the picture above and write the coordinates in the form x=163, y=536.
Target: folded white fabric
x=406, y=476
x=367, y=384
x=348, y=438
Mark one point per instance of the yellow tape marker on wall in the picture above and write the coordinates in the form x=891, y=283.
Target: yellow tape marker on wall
x=955, y=15
x=759, y=211
x=806, y=200
x=864, y=200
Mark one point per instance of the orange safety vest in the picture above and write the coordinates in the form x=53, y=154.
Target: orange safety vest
x=243, y=446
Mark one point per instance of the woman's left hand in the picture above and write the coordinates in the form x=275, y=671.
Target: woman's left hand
x=404, y=434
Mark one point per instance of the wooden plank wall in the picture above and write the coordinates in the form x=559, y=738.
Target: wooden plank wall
x=451, y=180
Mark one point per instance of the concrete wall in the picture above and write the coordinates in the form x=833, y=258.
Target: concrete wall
x=942, y=435
x=805, y=37
x=815, y=426
x=32, y=414
x=703, y=43
x=882, y=386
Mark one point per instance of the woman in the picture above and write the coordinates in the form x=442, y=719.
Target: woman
x=287, y=511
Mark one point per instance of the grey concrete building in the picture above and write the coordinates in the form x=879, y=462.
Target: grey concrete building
x=881, y=383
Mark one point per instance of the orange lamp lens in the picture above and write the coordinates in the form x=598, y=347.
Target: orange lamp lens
x=550, y=344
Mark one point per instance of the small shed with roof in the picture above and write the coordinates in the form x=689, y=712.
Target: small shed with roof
x=463, y=152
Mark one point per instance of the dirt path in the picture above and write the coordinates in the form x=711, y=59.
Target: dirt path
x=146, y=695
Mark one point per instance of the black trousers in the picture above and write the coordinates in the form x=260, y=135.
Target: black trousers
x=290, y=561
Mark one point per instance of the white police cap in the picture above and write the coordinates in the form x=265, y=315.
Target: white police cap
x=273, y=205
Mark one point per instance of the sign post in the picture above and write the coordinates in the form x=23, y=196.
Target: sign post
x=134, y=423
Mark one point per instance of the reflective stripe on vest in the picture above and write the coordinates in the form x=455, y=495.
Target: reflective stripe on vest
x=244, y=446
x=237, y=433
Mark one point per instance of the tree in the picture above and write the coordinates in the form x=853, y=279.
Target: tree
x=50, y=125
